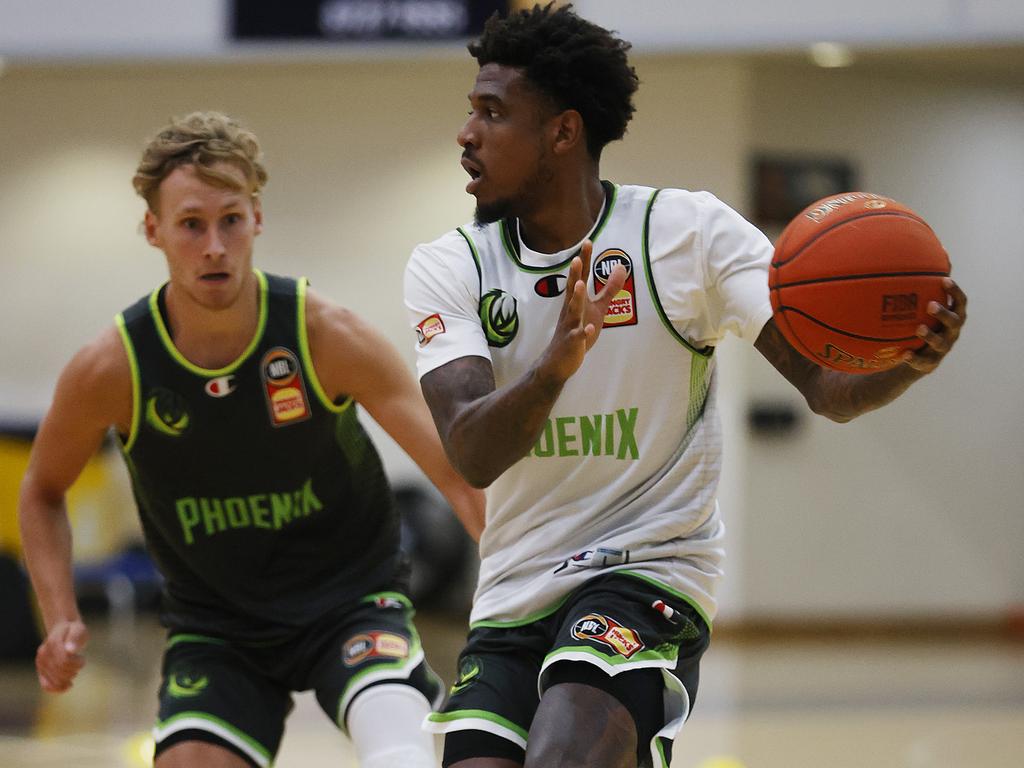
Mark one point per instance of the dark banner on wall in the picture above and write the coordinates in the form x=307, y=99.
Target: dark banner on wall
x=361, y=20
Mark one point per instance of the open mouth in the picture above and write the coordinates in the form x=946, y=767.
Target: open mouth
x=215, y=277
x=474, y=173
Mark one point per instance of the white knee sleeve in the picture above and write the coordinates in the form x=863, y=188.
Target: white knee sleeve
x=384, y=722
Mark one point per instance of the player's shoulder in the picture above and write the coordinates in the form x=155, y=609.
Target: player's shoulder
x=686, y=200
x=454, y=252
x=327, y=320
x=454, y=241
x=100, y=369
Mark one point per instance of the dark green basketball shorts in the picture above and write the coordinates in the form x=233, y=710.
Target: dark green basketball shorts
x=637, y=639
x=238, y=695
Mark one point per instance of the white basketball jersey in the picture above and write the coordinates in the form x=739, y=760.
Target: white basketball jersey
x=625, y=471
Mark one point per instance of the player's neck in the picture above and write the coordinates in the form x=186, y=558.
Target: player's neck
x=212, y=337
x=565, y=215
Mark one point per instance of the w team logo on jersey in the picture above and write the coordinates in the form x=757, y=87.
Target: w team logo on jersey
x=166, y=412
x=499, y=316
x=606, y=630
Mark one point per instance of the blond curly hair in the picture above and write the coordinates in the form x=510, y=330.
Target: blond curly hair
x=201, y=139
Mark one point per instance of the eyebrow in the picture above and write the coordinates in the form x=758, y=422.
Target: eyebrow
x=198, y=209
x=484, y=97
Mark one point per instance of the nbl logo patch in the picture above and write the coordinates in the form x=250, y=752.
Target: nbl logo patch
x=607, y=631
x=282, y=383
x=622, y=309
x=374, y=644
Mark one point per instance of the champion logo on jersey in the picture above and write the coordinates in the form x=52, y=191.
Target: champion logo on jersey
x=622, y=309
x=222, y=386
x=550, y=286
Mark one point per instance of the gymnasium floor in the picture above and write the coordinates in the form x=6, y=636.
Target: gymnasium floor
x=950, y=703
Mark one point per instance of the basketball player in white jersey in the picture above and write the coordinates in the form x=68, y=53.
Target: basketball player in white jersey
x=603, y=540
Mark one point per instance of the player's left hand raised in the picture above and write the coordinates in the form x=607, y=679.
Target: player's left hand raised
x=582, y=316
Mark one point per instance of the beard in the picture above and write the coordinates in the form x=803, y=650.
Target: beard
x=488, y=213
x=522, y=202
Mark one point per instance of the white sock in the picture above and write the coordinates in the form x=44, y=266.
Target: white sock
x=384, y=722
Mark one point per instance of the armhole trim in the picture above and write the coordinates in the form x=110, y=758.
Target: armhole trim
x=707, y=351
x=307, y=358
x=133, y=364
x=476, y=261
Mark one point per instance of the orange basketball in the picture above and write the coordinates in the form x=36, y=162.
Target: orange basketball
x=851, y=280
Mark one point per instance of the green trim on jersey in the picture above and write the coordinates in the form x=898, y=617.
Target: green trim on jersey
x=535, y=616
x=674, y=592
x=307, y=357
x=164, y=728
x=700, y=384
x=172, y=350
x=133, y=364
x=707, y=351
x=476, y=259
x=510, y=240
x=478, y=714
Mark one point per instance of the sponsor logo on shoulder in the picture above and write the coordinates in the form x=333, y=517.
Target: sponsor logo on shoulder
x=285, y=390
x=607, y=631
x=222, y=386
x=428, y=329
x=370, y=645
x=166, y=412
x=622, y=309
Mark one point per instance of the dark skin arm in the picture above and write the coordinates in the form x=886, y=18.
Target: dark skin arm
x=841, y=396
x=485, y=430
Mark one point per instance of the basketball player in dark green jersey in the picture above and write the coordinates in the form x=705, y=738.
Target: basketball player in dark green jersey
x=262, y=500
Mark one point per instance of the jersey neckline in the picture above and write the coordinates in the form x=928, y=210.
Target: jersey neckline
x=165, y=336
x=509, y=229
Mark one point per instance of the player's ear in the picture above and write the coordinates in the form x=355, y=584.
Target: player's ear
x=568, y=131
x=257, y=213
x=149, y=224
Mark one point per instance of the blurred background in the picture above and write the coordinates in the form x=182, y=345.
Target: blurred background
x=873, y=608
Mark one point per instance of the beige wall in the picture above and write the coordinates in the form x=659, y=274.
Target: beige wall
x=917, y=508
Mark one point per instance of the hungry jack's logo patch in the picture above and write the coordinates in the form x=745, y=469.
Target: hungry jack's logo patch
x=622, y=309
x=428, y=329
x=287, y=401
x=606, y=630
x=373, y=644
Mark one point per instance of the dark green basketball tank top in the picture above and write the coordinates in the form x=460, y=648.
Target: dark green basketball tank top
x=264, y=504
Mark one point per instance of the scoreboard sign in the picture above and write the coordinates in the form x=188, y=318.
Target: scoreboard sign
x=360, y=20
